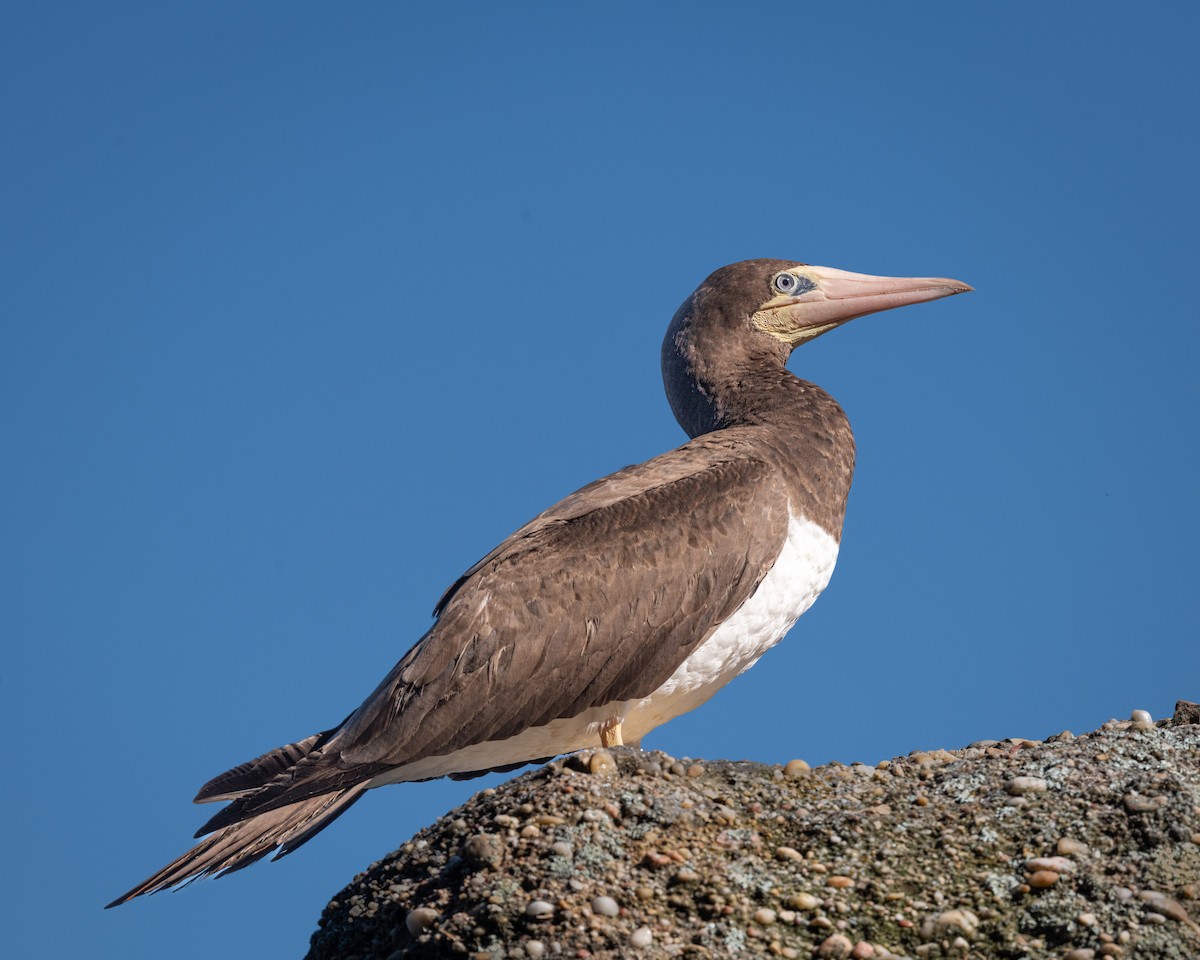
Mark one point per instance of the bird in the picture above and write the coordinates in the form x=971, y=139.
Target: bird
x=624, y=605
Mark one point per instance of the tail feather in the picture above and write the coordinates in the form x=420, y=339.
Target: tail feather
x=244, y=843
x=253, y=774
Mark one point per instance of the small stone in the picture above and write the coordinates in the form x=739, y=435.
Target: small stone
x=796, y=768
x=1068, y=847
x=1136, y=803
x=420, y=920
x=764, y=916
x=602, y=763
x=862, y=951
x=1041, y=879
x=506, y=821
x=788, y=853
x=1111, y=950
x=1018, y=786
x=656, y=861
x=1057, y=864
x=1162, y=904
x=483, y=849
x=539, y=908
x=695, y=770
x=1142, y=720
x=1086, y=919
x=803, y=901
x=839, y=881
x=535, y=949
x=957, y=922
x=605, y=906
x=837, y=946
x=560, y=848
x=1080, y=953
x=641, y=938
x=644, y=893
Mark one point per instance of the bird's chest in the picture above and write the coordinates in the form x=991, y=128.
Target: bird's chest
x=799, y=574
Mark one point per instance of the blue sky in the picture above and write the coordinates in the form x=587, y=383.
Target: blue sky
x=305, y=307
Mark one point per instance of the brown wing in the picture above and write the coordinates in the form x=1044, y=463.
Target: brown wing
x=598, y=599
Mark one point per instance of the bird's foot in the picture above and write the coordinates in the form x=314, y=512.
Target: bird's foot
x=610, y=734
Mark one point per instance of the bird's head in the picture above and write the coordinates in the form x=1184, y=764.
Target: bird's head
x=795, y=302
x=758, y=311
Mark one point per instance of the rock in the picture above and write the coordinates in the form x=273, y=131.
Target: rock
x=484, y=849
x=641, y=938
x=1041, y=879
x=1019, y=786
x=539, y=908
x=836, y=945
x=742, y=860
x=420, y=920
x=1068, y=847
x=1186, y=712
x=601, y=763
x=796, y=768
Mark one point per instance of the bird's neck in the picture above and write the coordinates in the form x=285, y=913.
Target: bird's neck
x=797, y=425
x=754, y=389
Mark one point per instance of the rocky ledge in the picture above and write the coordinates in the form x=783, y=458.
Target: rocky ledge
x=1071, y=847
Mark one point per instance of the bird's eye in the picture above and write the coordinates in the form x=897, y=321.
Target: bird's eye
x=787, y=283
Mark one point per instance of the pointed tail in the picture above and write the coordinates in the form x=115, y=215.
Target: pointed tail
x=243, y=843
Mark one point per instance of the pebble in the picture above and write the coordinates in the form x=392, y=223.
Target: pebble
x=644, y=893
x=1086, y=919
x=560, y=848
x=1018, y=786
x=839, y=881
x=788, y=853
x=796, y=768
x=836, y=945
x=656, y=861
x=1068, y=847
x=605, y=906
x=1057, y=864
x=764, y=916
x=1142, y=720
x=1080, y=953
x=484, y=849
x=420, y=920
x=602, y=763
x=1041, y=879
x=1136, y=803
x=862, y=951
x=803, y=901
x=695, y=770
x=959, y=922
x=535, y=949
x=1162, y=904
x=539, y=908
x=641, y=938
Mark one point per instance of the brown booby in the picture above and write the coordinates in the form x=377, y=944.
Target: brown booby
x=624, y=605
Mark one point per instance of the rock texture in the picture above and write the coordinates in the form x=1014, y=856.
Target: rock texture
x=1072, y=847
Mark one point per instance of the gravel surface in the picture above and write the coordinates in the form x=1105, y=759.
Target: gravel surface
x=1072, y=847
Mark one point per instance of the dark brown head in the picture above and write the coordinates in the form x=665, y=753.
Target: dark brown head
x=745, y=319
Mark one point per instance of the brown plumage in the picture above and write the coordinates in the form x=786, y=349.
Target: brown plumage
x=581, y=616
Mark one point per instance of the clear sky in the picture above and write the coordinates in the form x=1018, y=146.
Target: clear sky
x=305, y=306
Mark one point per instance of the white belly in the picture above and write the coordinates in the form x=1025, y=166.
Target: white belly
x=797, y=577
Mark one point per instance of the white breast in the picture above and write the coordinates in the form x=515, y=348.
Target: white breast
x=797, y=577
x=801, y=571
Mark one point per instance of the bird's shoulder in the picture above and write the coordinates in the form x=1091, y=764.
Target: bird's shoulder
x=703, y=471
